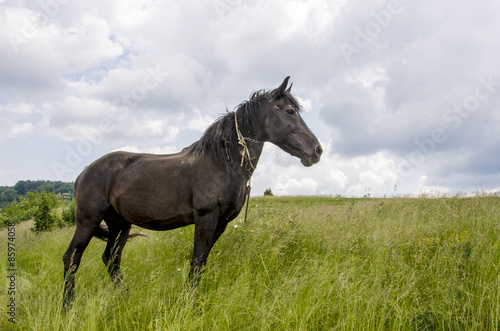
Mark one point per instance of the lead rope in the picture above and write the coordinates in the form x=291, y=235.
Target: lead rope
x=249, y=187
x=245, y=153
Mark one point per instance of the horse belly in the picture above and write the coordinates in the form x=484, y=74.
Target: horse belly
x=167, y=224
x=154, y=212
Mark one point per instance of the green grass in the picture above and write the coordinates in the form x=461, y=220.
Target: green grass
x=298, y=263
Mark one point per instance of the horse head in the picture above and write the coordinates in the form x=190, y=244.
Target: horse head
x=282, y=125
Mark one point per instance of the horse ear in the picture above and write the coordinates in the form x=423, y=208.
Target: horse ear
x=280, y=91
x=289, y=90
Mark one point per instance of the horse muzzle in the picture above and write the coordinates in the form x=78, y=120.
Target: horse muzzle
x=308, y=159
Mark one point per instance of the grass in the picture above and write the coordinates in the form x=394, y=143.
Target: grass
x=298, y=263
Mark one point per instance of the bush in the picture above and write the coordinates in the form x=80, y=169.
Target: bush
x=68, y=214
x=28, y=207
x=3, y=219
x=44, y=218
x=18, y=211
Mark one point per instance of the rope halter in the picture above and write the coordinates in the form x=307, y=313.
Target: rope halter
x=245, y=153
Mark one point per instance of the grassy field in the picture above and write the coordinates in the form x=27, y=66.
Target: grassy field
x=296, y=264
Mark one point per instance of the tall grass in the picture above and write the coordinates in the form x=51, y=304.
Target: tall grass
x=296, y=264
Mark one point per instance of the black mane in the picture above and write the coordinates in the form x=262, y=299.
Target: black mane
x=220, y=138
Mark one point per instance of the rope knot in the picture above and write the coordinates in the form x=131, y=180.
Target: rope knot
x=245, y=153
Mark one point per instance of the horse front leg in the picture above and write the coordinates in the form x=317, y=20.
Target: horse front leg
x=204, y=232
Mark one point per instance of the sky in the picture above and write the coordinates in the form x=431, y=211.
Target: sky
x=403, y=95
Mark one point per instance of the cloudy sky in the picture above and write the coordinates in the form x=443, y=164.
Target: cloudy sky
x=403, y=95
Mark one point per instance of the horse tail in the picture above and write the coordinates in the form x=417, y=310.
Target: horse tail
x=136, y=235
x=103, y=233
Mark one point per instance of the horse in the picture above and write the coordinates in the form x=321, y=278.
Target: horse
x=205, y=184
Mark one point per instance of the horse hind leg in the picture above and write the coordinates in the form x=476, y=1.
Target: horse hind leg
x=118, y=234
x=85, y=227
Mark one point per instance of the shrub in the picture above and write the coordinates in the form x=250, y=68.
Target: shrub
x=68, y=214
x=18, y=211
x=268, y=192
x=44, y=218
x=3, y=219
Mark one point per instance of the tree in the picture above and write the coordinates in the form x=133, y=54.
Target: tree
x=20, y=187
x=7, y=197
x=44, y=218
x=268, y=192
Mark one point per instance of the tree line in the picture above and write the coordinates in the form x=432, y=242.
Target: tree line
x=8, y=194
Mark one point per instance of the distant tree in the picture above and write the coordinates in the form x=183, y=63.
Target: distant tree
x=268, y=192
x=46, y=187
x=7, y=196
x=20, y=187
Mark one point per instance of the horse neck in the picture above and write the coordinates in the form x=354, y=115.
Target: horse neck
x=255, y=151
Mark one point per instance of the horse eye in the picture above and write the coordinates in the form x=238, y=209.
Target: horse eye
x=290, y=111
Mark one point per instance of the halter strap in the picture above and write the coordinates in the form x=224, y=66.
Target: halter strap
x=255, y=141
x=245, y=153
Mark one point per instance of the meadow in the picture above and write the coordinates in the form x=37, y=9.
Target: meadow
x=297, y=263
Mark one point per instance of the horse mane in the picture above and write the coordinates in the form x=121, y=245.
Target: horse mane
x=220, y=137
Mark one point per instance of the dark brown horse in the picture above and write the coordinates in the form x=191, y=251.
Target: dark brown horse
x=205, y=184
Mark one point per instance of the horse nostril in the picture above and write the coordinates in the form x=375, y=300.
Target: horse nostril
x=319, y=150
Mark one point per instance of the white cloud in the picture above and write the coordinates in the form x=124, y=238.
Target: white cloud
x=306, y=104
x=431, y=191
x=152, y=150
x=292, y=186
x=199, y=121
x=375, y=174
x=21, y=129
x=15, y=120
x=337, y=180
